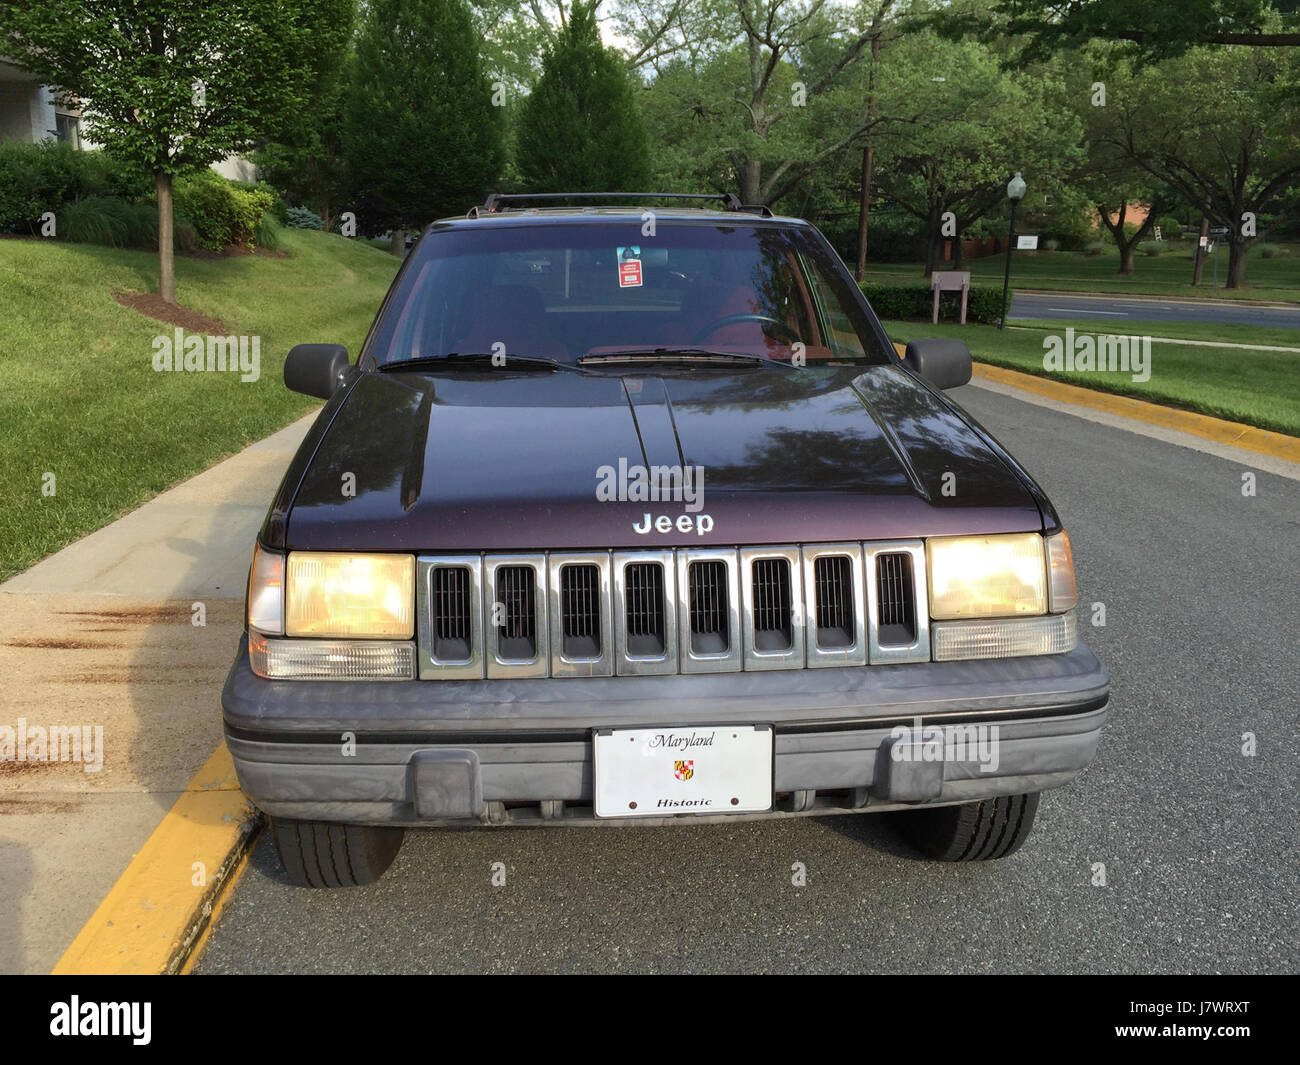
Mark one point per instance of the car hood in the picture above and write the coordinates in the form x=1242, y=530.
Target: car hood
x=495, y=460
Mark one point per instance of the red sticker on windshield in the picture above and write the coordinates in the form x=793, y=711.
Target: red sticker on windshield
x=629, y=267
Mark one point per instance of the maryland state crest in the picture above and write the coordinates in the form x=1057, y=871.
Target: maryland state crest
x=683, y=770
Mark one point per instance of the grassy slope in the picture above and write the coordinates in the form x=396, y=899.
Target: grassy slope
x=79, y=396
x=1162, y=275
x=1256, y=387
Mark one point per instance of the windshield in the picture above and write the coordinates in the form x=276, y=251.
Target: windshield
x=571, y=292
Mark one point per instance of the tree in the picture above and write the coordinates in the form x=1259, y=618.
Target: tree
x=979, y=124
x=172, y=86
x=1221, y=127
x=420, y=134
x=306, y=161
x=1107, y=179
x=581, y=129
x=1158, y=28
x=772, y=98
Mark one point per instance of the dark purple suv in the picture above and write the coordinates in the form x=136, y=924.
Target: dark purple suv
x=634, y=514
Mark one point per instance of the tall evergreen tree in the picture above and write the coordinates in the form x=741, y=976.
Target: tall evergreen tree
x=581, y=128
x=420, y=133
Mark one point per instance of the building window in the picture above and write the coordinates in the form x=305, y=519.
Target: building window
x=68, y=129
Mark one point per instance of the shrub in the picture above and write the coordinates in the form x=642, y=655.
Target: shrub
x=118, y=224
x=303, y=218
x=983, y=303
x=1151, y=247
x=223, y=212
x=1170, y=227
x=1269, y=251
x=35, y=178
x=1051, y=244
x=96, y=220
x=268, y=232
x=278, y=209
x=1094, y=247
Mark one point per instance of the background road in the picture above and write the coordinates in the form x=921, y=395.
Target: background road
x=1117, y=309
x=1198, y=841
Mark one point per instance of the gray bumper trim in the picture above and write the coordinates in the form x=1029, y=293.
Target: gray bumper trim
x=805, y=698
x=832, y=738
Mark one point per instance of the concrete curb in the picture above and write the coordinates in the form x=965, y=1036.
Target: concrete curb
x=157, y=915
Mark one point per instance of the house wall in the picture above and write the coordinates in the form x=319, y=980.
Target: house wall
x=26, y=111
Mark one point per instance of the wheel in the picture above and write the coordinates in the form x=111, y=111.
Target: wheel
x=972, y=831
x=321, y=854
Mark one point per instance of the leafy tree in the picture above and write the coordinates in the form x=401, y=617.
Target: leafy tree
x=170, y=85
x=306, y=161
x=979, y=124
x=581, y=129
x=1107, y=179
x=1158, y=28
x=1221, y=127
x=420, y=134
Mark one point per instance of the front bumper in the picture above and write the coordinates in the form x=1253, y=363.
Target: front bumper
x=520, y=751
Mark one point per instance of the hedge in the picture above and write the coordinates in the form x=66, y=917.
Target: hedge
x=983, y=304
x=49, y=175
x=224, y=212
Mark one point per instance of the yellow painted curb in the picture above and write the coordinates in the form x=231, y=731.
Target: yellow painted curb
x=155, y=915
x=1234, y=434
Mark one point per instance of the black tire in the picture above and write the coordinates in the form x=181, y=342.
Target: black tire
x=972, y=831
x=321, y=854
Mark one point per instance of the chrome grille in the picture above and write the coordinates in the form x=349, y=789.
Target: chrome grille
x=643, y=612
x=771, y=601
x=672, y=611
x=451, y=613
x=710, y=634
x=897, y=618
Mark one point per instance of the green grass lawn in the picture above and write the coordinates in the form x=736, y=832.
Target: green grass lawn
x=1256, y=387
x=1168, y=274
x=79, y=396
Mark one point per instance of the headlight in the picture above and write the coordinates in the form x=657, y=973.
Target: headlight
x=266, y=592
x=337, y=594
x=987, y=576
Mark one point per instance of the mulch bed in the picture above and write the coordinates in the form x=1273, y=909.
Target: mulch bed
x=154, y=306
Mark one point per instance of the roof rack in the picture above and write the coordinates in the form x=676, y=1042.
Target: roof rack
x=499, y=201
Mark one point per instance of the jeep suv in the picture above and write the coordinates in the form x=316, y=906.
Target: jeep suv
x=633, y=514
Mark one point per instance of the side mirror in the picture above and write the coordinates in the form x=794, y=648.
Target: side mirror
x=943, y=362
x=316, y=369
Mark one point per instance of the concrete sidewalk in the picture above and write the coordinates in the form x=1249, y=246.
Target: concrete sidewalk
x=103, y=634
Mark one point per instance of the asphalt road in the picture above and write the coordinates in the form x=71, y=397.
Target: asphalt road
x=1201, y=856
x=1118, y=309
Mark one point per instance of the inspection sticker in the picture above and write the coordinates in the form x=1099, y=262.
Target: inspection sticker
x=629, y=266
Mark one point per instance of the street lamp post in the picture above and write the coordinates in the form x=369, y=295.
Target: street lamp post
x=1015, y=193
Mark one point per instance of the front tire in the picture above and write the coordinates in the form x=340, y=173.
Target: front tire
x=320, y=854
x=972, y=831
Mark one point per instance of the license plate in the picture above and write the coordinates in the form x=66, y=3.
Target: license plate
x=652, y=772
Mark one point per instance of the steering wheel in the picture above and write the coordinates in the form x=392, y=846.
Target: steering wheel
x=783, y=328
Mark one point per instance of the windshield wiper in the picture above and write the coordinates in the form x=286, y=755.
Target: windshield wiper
x=692, y=356
x=477, y=360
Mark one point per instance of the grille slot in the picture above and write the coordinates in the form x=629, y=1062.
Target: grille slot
x=709, y=629
x=833, y=588
x=514, y=613
x=773, y=629
x=580, y=610
x=643, y=596
x=452, y=627
x=896, y=594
